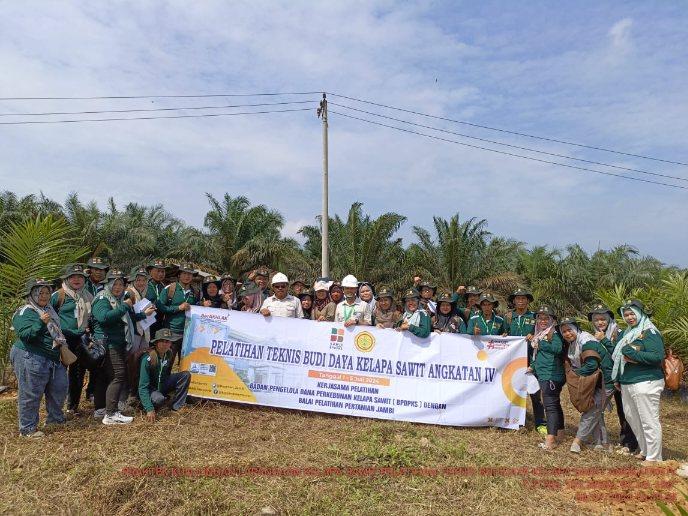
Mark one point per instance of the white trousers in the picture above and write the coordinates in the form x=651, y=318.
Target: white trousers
x=641, y=408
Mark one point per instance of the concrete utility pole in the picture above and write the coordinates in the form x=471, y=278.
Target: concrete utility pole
x=324, y=232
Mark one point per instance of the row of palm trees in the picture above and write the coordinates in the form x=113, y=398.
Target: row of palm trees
x=238, y=236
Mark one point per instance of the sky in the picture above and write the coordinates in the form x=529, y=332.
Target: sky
x=611, y=75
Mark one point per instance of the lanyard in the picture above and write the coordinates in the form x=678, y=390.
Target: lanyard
x=186, y=296
x=348, y=311
x=491, y=326
x=162, y=365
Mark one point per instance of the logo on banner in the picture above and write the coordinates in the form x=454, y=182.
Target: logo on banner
x=491, y=344
x=364, y=342
x=337, y=339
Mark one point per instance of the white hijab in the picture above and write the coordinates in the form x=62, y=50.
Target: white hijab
x=630, y=335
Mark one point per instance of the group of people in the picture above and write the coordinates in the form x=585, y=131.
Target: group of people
x=137, y=369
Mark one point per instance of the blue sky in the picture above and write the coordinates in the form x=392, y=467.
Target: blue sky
x=612, y=75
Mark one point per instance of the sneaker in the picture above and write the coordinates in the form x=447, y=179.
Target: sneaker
x=542, y=429
x=33, y=435
x=117, y=419
x=575, y=448
x=600, y=447
x=99, y=414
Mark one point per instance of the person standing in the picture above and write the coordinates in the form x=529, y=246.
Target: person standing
x=281, y=303
x=414, y=319
x=471, y=300
x=385, y=314
x=210, y=293
x=486, y=322
x=427, y=292
x=156, y=283
x=447, y=320
x=97, y=269
x=228, y=292
x=175, y=300
x=35, y=358
x=352, y=310
x=320, y=301
x=306, y=297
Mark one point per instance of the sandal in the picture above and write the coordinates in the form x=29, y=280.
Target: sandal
x=543, y=446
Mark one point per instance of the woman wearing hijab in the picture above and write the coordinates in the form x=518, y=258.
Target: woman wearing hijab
x=250, y=297
x=366, y=293
x=548, y=367
x=638, y=373
x=336, y=295
x=228, y=292
x=586, y=355
x=486, y=322
x=306, y=299
x=35, y=358
x=607, y=333
x=320, y=301
x=210, y=293
x=414, y=319
x=112, y=321
x=385, y=314
x=447, y=318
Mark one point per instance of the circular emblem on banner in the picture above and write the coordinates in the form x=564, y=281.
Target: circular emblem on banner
x=364, y=341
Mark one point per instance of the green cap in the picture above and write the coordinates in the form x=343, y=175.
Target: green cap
x=98, y=263
x=165, y=334
x=410, y=293
x=521, y=292
x=187, y=267
x=490, y=298
x=637, y=303
x=73, y=269
x=36, y=282
x=600, y=308
x=385, y=291
x=138, y=271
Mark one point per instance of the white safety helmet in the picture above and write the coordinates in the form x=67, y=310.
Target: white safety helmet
x=279, y=278
x=350, y=281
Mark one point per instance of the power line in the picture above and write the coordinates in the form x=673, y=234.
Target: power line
x=205, y=115
x=509, y=145
x=190, y=108
x=508, y=153
x=167, y=96
x=507, y=131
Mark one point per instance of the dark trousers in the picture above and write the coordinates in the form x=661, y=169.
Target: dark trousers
x=77, y=372
x=626, y=435
x=551, y=399
x=178, y=382
x=538, y=409
x=116, y=374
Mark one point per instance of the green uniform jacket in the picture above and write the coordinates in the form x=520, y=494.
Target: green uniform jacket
x=33, y=335
x=609, y=345
x=423, y=329
x=549, y=361
x=107, y=322
x=66, y=312
x=92, y=288
x=151, y=378
x=154, y=291
x=591, y=364
x=494, y=326
x=649, y=358
x=174, y=319
x=522, y=325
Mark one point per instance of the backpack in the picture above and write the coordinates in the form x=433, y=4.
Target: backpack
x=582, y=388
x=673, y=370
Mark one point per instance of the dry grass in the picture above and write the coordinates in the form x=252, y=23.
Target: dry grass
x=77, y=468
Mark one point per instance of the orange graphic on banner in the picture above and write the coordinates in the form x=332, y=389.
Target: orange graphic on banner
x=224, y=384
x=344, y=377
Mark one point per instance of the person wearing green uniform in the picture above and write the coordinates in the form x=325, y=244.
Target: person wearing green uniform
x=607, y=332
x=486, y=322
x=176, y=299
x=427, y=292
x=468, y=303
x=548, y=367
x=35, y=358
x=520, y=322
x=98, y=268
x=156, y=282
x=586, y=355
x=112, y=322
x=447, y=319
x=414, y=319
x=72, y=301
x=638, y=373
x=155, y=380
x=261, y=278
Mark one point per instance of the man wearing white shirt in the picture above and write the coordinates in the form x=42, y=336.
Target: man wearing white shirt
x=281, y=303
x=352, y=310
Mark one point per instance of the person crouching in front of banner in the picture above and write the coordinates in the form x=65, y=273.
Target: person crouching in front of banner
x=486, y=322
x=112, y=322
x=155, y=380
x=385, y=314
x=352, y=310
x=281, y=303
x=176, y=299
x=548, y=367
x=638, y=374
x=586, y=355
x=607, y=332
x=35, y=358
x=414, y=319
x=447, y=318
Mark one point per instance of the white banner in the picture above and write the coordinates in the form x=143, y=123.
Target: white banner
x=445, y=379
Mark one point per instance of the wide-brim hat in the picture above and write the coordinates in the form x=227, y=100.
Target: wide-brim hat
x=249, y=288
x=600, y=308
x=74, y=269
x=471, y=289
x=568, y=320
x=546, y=310
x=114, y=274
x=187, y=267
x=138, y=271
x=445, y=296
x=226, y=277
x=310, y=292
x=428, y=285
x=211, y=279
x=411, y=293
x=337, y=284
x=637, y=303
x=490, y=298
x=157, y=264
x=34, y=283
x=299, y=280
x=98, y=263
x=321, y=285
x=520, y=292
x=165, y=334
x=384, y=292
x=262, y=272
